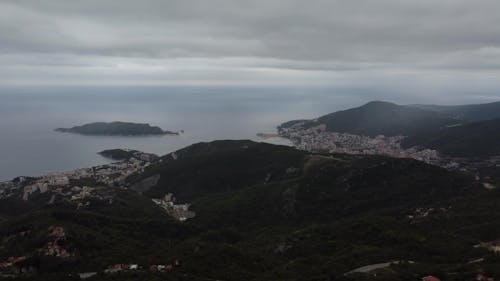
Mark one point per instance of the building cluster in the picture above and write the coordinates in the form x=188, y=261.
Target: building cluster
x=11, y=262
x=121, y=267
x=421, y=213
x=14, y=266
x=58, y=246
x=318, y=139
x=178, y=211
x=493, y=246
x=484, y=277
x=430, y=278
x=142, y=156
x=118, y=268
x=78, y=186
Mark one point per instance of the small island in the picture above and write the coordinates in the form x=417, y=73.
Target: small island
x=127, y=154
x=116, y=129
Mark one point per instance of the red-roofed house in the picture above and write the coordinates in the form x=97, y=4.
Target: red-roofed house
x=480, y=277
x=430, y=278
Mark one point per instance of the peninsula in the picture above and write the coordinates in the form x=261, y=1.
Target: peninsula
x=127, y=154
x=117, y=129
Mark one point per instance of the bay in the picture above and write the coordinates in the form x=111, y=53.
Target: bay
x=29, y=146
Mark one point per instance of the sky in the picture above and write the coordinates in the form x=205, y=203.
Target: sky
x=449, y=48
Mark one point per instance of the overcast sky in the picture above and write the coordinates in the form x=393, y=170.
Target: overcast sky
x=435, y=46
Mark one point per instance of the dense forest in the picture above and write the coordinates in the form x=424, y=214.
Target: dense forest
x=266, y=212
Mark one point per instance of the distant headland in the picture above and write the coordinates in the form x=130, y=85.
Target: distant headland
x=128, y=154
x=116, y=129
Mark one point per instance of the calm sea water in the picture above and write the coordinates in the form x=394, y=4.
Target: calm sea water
x=29, y=146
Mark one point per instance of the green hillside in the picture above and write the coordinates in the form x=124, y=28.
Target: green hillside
x=266, y=212
x=328, y=214
x=384, y=118
x=470, y=112
x=468, y=140
x=222, y=166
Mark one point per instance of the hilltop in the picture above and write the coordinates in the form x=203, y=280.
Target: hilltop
x=380, y=118
x=116, y=128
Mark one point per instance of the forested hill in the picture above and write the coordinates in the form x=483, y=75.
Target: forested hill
x=469, y=112
x=478, y=139
x=266, y=212
x=381, y=118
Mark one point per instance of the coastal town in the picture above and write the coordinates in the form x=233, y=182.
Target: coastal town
x=77, y=186
x=318, y=139
x=81, y=187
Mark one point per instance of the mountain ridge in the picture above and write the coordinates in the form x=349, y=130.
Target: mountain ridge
x=468, y=112
x=476, y=139
x=380, y=118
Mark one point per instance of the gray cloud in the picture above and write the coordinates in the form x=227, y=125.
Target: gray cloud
x=259, y=41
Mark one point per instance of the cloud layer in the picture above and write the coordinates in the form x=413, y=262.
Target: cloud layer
x=320, y=42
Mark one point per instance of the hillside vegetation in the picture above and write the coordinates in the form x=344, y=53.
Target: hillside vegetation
x=467, y=140
x=381, y=118
x=266, y=212
x=469, y=113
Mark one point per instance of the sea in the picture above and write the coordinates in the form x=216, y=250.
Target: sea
x=29, y=146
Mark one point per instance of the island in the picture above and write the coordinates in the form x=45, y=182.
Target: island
x=116, y=129
x=127, y=154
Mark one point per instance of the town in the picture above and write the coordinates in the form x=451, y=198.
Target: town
x=179, y=211
x=81, y=186
x=81, y=189
x=75, y=186
x=318, y=139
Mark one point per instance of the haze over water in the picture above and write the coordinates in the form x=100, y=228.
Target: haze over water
x=29, y=145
